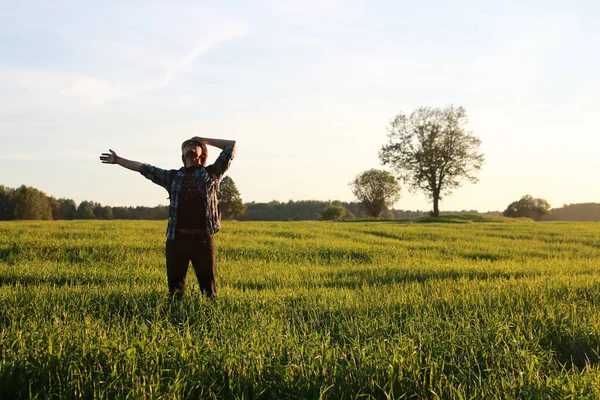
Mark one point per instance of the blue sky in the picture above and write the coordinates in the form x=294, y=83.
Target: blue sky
x=306, y=88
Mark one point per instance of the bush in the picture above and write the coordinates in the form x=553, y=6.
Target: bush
x=333, y=213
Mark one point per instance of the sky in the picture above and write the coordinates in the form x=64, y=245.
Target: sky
x=307, y=89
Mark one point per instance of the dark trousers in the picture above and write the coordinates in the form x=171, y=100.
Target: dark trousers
x=200, y=250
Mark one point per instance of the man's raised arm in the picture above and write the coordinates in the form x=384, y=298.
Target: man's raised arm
x=113, y=158
x=219, y=143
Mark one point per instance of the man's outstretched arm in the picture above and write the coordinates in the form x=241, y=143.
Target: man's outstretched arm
x=113, y=158
x=157, y=175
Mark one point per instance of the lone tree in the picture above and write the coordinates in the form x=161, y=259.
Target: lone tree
x=528, y=207
x=377, y=190
x=230, y=200
x=432, y=150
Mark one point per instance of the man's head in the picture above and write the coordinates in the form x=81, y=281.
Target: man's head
x=192, y=150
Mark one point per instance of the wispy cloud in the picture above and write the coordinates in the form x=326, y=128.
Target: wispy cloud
x=181, y=65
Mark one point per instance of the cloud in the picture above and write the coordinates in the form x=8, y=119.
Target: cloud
x=181, y=65
x=34, y=88
x=91, y=91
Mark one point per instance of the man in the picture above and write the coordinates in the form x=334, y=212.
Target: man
x=193, y=211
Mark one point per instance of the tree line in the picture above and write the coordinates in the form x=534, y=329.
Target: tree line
x=303, y=210
x=28, y=203
x=575, y=212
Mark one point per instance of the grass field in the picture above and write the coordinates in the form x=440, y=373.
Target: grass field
x=305, y=310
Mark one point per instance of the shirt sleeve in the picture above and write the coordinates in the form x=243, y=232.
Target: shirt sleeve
x=221, y=164
x=157, y=175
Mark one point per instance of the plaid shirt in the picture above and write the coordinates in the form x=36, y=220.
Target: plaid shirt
x=207, y=178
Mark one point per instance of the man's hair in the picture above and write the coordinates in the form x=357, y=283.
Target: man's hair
x=203, y=157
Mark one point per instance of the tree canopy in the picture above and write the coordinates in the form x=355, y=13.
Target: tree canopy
x=377, y=190
x=85, y=210
x=31, y=203
x=528, y=207
x=8, y=210
x=432, y=150
x=230, y=200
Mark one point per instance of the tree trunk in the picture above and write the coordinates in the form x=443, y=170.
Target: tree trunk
x=436, y=209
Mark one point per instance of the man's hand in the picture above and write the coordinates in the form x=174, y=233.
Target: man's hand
x=109, y=158
x=113, y=158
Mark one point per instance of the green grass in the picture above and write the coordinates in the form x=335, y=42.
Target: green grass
x=305, y=310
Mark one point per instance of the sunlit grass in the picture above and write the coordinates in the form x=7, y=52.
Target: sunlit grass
x=305, y=309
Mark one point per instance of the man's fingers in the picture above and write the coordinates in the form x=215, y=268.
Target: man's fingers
x=107, y=158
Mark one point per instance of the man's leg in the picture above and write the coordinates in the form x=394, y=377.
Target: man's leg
x=177, y=265
x=204, y=262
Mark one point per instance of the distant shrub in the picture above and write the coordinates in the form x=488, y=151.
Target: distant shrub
x=333, y=213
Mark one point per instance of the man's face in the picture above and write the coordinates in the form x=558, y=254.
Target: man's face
x=192, y=148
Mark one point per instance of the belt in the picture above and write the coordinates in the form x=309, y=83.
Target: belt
x=185, y=231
